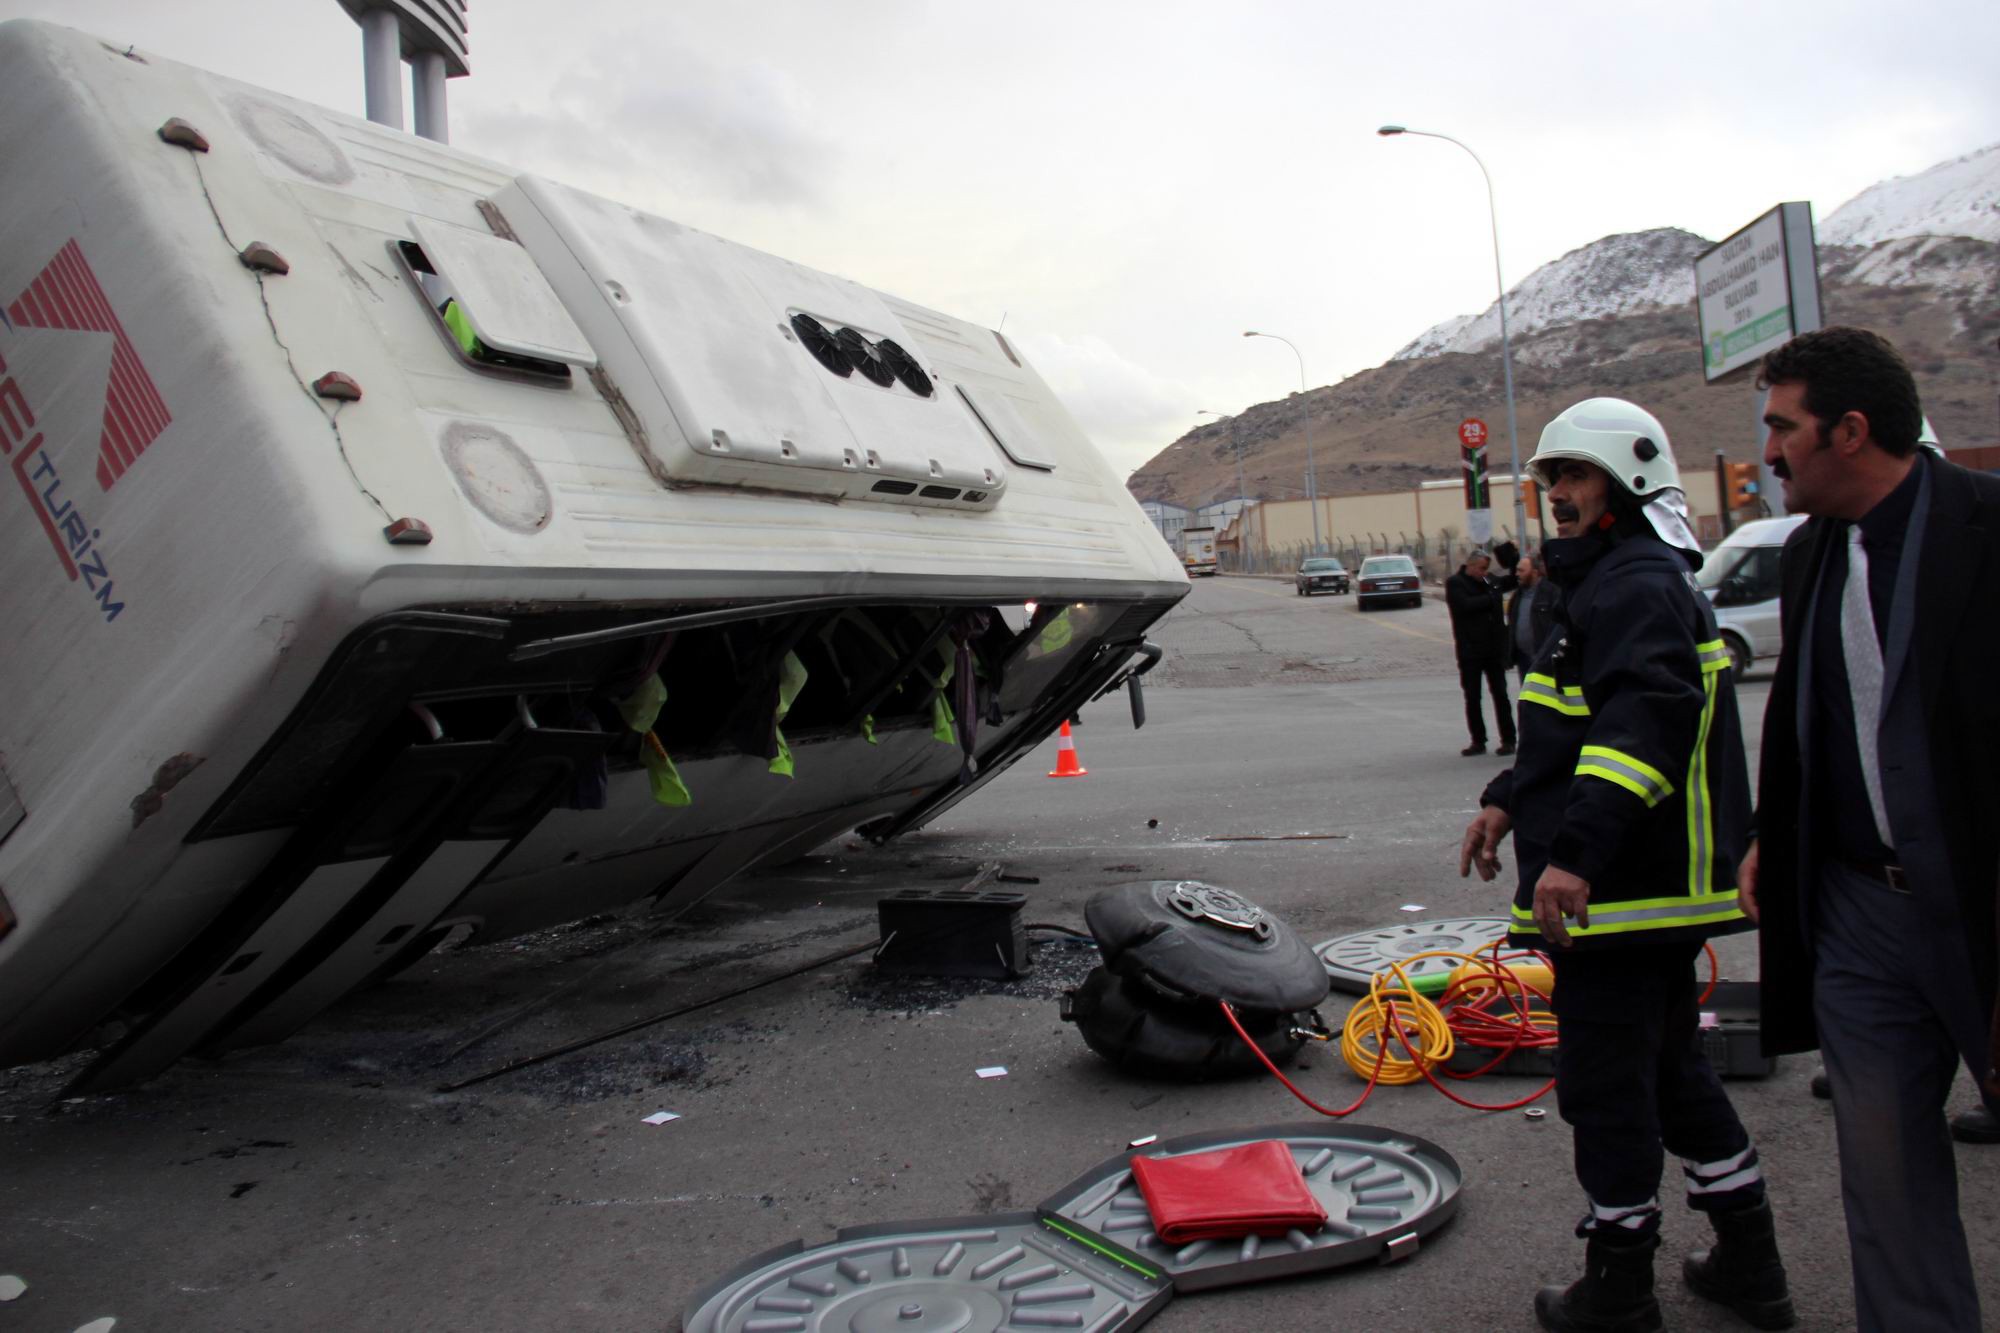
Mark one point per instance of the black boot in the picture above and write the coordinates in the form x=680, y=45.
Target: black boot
x=1614, y=1295
x=1743, y=1271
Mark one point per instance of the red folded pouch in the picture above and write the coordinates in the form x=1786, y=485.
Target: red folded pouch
x=1252, y=1189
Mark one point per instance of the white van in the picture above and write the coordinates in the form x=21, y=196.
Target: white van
x=1740, y=577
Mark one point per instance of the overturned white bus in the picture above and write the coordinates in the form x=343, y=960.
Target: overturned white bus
x=396, y=545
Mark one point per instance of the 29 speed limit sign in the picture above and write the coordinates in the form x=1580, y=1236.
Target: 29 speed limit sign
x=1472, y=433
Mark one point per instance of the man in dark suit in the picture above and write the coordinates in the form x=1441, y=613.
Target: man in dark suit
x=1875, y=878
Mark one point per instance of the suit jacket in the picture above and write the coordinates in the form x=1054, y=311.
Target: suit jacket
x=1937, y=743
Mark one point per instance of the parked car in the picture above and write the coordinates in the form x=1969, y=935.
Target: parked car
x=1389, y=580
x=1321, y=575
x=1740, y=577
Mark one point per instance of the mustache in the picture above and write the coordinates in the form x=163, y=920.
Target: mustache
x=1781, y=471
x=1565, y=513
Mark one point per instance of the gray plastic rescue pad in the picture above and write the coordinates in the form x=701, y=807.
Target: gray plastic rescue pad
x=1200, y=942
x=965, y=1274
x=1351, y=960
x=1382, y=1191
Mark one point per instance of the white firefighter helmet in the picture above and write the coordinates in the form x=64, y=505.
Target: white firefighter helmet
x=1624, y=439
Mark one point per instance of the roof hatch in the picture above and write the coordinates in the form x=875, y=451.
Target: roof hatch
x=497, y=285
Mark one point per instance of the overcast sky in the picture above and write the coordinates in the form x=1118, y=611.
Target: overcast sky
x=1131, y=185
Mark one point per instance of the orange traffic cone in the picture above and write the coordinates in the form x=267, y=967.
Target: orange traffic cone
x=1066, y=763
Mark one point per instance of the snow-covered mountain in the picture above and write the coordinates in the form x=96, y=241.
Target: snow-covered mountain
x=1633, y=271
x=1956, y=198
x=1888, y=235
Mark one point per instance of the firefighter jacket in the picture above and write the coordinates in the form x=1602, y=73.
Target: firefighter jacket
x=1630, y=772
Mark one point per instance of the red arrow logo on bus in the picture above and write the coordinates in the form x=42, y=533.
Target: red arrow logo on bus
x=66, y=295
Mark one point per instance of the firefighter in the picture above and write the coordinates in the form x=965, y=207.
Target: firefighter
x=1629, y=802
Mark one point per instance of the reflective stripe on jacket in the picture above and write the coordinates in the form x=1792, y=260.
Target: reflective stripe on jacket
x=1630, y=771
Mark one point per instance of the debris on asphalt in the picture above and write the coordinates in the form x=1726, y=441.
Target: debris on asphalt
x=11, y=1286
x=1061, y=963
x=1123, y=868
x=1413, y=907
x=1534, y=1113
x=627, y=1028
x=1018, y=879
x=1143, y=1140
x=661, y=1117
x=1152, y=823
x=1273, y=837
x=992, y=1071
x=240, y=1190
x=104, y=1325
x=633, y=1068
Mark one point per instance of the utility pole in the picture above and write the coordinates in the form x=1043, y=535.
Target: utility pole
x=1312, y=482
x=431, y=35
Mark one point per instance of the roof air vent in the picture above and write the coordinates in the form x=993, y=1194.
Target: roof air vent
x=823, y=345
x=905, y=368
x=939, y=492
x=888, y=487
x=865, y=358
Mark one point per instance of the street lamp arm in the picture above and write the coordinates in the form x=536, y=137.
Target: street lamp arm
x=1397, y=129
x=1295, y=352
x=1492, y=208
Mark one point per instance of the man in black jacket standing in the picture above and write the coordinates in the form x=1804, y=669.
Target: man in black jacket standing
x=1629, y=806
x=1479, y=632
x=1874, y=877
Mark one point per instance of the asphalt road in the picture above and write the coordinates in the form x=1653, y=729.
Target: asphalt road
x=324, y=1183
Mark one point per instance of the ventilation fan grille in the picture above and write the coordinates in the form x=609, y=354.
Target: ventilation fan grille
x=865, y=358
x=905, y=368
x=825, y=348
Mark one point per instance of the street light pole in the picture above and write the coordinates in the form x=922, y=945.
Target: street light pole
x=1506, y=351
x=1240, y=501
x=1204, y=412
x=1312, y=480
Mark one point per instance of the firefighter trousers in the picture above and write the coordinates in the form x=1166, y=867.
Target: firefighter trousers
x=1634, y=1084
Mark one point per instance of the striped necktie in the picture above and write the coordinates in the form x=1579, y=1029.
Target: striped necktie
x=1863, y=653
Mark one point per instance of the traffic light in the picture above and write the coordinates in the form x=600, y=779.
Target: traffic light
x=1472, y=458
x=1742, y=482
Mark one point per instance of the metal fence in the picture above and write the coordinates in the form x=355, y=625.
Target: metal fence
x=1437, y=554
